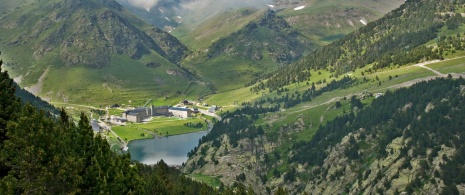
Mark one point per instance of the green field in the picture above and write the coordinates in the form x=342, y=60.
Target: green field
x=213, y=181
x=451, y=66
x=171, y=126
x=161, y=126
x=129, y=133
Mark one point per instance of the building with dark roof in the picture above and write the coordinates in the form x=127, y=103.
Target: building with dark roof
x=138, y=114
x=180, y=112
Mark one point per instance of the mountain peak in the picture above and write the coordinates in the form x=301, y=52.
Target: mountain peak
x=89, y=32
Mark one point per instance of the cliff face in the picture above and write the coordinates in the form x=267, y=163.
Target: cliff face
x=88, y=33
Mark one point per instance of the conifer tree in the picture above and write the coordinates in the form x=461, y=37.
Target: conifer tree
x=9, y=106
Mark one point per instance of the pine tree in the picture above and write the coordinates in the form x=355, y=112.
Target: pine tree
x=9, y=106
x=9, y=103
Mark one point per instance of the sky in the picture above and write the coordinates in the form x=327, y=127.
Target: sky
x=203, y=4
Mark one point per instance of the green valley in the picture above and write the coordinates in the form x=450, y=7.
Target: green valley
x=264, y=97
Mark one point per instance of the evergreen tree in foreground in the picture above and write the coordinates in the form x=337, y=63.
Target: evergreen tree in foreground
x=44, y=154
x=9, y=106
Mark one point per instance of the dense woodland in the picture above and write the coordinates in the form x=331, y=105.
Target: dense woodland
x=396, y=39
x=429, y=115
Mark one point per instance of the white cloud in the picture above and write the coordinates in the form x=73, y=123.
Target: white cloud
x=145, y=4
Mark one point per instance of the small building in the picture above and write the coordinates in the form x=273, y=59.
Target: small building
x=134, y=117
x=180, y=112
x=377, y=95
x=212, y=109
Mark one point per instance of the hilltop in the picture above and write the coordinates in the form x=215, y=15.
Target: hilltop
x=91, y=52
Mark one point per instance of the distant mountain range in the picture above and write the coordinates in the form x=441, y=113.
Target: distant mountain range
x=104, y=50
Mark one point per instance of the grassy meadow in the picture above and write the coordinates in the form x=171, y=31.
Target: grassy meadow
x=159, y=126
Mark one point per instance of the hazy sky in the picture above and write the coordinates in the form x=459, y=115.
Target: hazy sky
x=143, y=3
x=203, y=4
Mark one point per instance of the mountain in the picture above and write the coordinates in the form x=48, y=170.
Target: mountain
x=163, y=15
x=336, y=121
x=401, y=37
x=212, y=31
x=264, y=44
x=327, y=21
x=409, y=141
x=97, y=45
x=322, y=21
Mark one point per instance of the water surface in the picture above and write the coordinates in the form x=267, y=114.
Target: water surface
x=173, y=149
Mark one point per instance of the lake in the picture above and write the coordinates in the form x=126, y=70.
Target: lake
x=173, y=149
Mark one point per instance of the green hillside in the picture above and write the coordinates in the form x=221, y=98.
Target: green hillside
x=399, y=38
x=327, y=21
x=330, y=124
x=198, y=35
x=263, y=45
x=91, y=52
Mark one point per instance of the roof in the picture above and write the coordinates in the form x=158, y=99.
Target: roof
x=161, y=107
x=179, y=109
x=133, y=113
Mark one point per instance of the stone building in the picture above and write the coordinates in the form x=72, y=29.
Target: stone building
x=180, y=112
x=138, y=114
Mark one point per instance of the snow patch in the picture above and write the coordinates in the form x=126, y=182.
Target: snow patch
x=299, y=8
x=167, y=19
x=179, y=17
x=363, y=22
x=269, y=5
x=161, y=10
x=148, y=9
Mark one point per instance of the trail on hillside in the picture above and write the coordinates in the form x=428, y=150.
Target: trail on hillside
x=404, y=84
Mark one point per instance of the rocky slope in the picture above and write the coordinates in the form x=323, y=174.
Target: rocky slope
x=86, y=32
x=407, y=141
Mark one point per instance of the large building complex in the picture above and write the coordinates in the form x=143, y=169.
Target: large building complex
x=138, y=114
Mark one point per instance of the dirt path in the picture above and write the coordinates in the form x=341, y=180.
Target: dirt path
x=320, y=104
x=404, y=84
x=423, y=65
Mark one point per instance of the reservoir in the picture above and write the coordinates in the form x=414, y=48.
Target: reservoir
x=173, y=149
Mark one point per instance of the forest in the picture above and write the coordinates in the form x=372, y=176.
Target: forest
x=427, y=114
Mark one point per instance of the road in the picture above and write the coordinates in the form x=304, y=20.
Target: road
x=210, y=114
x=104, y=126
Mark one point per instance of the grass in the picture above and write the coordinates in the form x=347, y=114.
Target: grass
x=161, y=126
x=202, y=33
x=314, y=23
x=171, y=126
x=115, y=111
x=213, y=181
x=451, y=66
x=129, y=133
x=320, y=110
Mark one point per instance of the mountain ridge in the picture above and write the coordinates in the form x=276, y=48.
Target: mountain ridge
x=264, y=44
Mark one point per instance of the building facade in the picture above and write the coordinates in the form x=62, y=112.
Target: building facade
x=139, y=114
x=180, y=112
